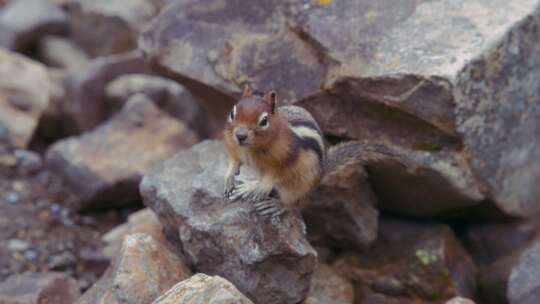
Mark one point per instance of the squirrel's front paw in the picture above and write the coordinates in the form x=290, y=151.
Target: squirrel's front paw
x=248, y=191
x=270, y=207
x=230, y=187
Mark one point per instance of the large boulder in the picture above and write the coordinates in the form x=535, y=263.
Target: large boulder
x=144, y=268
x=451, y=85
x=39, y=288
x=410, y=263
x=86, y=105
x=201, y=288
x=341, y=211
x=105, y=166
x=105, y=27
x=524, y=286
x=24, y=22
x=24, y=96
x=269, y=261
x=167, y=94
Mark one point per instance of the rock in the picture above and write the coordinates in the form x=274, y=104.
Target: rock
x=85, y=87
x=410, y=263
x=459, y=300
x=143, y=221
x=167, y=94
x=341, y=212
x=24, y=96
x=447, y=105
x=201, y=288
x=144, y=269
x=327, y=286
x=28, y=162
x=523, y=285
x=17, y=245
x=104, y=166
x=496, y=248
x=59, y=52
x=24, y=22
x=39, y=288
x=268, y=261
x=104, y=27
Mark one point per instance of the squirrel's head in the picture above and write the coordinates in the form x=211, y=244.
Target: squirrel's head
x=253, y=120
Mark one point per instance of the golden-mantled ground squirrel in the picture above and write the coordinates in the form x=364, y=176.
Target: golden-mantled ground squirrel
x=285, y=146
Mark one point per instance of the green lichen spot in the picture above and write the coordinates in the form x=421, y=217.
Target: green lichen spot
x=425, y=257
x=426, y=146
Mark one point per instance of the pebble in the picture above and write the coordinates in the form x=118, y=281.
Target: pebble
x=28, y=162
x=12, y=197
x=30, y=255
x=17, y=245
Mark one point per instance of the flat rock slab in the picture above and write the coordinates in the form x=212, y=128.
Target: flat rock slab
x=104, y=166
x=270, y=262
x=24, y=96
x=451, y=85
x=201, y=288
x=39, y=288
x=144, y=268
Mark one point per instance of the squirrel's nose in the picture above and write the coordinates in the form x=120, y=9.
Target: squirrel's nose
x=241, y=135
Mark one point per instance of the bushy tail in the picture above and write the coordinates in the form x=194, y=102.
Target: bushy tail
x=352, y=153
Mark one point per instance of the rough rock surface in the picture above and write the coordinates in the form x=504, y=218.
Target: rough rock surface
x=143, y=221
x=24, y=96
x=24, y=22
x=269, y=262
x=442, y=82
x=144, y=269
x=524, y=286
x=167, y=94
x=87, y=105
x=104, y=27
x=327, y=286
x=39, y=288
x=459, y=300
x=411, y=263
x=201, y=288
x=341, y=211
x=104, y=166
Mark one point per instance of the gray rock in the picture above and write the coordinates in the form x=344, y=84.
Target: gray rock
x=17, y=245
x=341, y=211
x=524, y=286
x=104, y=166
x=167, y=94
x=201, y=288
x=105, y=27
x=62, y=53
x=24, y=22
x=24, y=96
x=410, y=263
x=144, y=268
x=87, y=106
x=39, y=288
x=448, y=84
x=269, y=261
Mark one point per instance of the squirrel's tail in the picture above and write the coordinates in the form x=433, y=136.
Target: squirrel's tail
x=354, y=152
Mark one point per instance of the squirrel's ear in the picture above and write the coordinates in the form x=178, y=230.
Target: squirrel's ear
x=247, y=91
x=271, y=99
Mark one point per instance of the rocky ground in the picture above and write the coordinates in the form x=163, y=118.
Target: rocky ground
x=111, y=164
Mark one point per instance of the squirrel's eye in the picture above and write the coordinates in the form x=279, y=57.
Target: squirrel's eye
x=263, y=121
x=232, y=115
